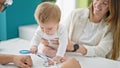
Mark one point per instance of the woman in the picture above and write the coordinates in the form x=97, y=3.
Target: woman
x=23, y=61
x=95, y=31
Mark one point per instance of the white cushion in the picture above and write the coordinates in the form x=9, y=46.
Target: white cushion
x=26, y=32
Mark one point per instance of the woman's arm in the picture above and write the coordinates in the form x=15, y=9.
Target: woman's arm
x=23, y=61
x=81, y=49
x=102, y=49
x=5, y=59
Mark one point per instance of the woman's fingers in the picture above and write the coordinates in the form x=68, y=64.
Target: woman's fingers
x=55, y=41
x=44, y=41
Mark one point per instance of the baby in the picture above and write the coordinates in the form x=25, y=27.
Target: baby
x=48, y=15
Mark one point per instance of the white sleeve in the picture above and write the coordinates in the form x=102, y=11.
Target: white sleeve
x=102, y=49
x=36, y=38
x=63, y=42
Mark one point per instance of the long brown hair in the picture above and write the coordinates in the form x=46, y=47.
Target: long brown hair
x=112, y=19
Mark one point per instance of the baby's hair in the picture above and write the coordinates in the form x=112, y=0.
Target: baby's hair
x=47, y=11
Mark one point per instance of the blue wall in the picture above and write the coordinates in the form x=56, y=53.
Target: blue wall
x=20, y=13
x=3, y=26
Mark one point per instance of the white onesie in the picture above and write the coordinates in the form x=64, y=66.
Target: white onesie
x=61, y=33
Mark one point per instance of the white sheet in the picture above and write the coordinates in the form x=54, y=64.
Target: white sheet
x=13, y=46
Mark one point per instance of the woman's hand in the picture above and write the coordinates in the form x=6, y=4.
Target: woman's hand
x=46, y=42
x=22, y=61
x=81, y=49
x=70, y=47
x=55, y=41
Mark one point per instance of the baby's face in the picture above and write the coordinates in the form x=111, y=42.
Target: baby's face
x=49, y=27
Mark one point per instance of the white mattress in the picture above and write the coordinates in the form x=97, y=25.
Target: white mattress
x=27, y=32
x=13, y=46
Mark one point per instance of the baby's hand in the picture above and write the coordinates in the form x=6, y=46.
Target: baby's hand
x=34, y=49
x=54, y=60
x=57, y=59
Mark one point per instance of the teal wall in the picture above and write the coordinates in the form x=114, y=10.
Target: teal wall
x=20, y=13
x=3, y=26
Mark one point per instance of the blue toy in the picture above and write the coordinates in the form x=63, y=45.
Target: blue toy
x=24, y=51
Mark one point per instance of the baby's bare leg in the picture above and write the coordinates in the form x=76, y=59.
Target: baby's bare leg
x=50, y=52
